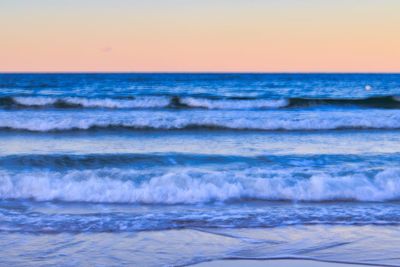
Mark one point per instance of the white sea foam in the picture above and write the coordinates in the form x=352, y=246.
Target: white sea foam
x=138, y=102
x=234, y=104
x=152, y=102
x=194, y=186
x=35, y=101
x=251, y=120
x=193, y=102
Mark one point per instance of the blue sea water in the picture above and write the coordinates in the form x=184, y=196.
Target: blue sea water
x=177, y=169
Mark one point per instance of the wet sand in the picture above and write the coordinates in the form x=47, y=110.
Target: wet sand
x=275, y=263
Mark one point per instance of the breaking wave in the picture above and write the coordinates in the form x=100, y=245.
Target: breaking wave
x=234, y=103
x=73, y=102
x=137, y=102
x=44, y=121
x=190, y=186
x=146, y=102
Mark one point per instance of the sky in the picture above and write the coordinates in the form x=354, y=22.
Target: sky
x=199, y=36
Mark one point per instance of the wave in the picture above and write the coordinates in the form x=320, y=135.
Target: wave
x=78, y=102
x=386, y=102
x=233, y=103
x=176, y=102
x=46, y=121
x=139, y=103
x=191, y=186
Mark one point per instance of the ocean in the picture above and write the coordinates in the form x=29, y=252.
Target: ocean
x=179, y=169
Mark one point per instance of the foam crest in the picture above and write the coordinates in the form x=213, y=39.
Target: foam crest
x=234, y=104
x=234, y=120
x=193, y=186
x=137, y=102
x=35, y=101
x=214, y=102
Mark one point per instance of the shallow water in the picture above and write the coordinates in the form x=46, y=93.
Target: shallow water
x=175, y=169
x=190, y=246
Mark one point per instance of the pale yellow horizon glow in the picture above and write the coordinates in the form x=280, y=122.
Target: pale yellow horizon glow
x=200, y=36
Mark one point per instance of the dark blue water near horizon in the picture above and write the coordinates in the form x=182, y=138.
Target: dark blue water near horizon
x=177, y=169
x=201, y=84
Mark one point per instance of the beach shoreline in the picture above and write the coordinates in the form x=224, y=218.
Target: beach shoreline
x=277, y=263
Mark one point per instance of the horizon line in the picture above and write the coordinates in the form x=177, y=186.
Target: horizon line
x=195, y=72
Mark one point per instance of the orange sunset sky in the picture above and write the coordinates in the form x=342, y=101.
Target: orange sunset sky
x=200, y=35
